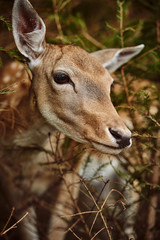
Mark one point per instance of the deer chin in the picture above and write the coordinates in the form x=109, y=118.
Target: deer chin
x=107, y=148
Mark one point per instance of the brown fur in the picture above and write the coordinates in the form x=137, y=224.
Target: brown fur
x=25, y=130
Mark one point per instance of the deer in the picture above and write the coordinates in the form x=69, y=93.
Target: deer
x=67, y=91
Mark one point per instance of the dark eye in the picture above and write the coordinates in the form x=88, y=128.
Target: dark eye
x=112, y=86
x=61, y=78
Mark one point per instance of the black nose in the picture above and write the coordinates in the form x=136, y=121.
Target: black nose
x=121, y=139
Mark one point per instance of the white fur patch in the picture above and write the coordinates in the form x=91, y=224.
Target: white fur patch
x=34, y=63
x=153, y=110
x=18, y=74
x=92, y=168
x=21, y=67
x=14, y=65
x=7, y=79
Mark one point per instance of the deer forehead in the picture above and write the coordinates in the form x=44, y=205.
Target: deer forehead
x=81, y=67
x=82, y=60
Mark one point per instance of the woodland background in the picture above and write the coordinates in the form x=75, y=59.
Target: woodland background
x=95, y=25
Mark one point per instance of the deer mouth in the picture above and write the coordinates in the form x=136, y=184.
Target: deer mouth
x=107, y=148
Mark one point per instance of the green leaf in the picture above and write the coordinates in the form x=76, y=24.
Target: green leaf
x=6, y=22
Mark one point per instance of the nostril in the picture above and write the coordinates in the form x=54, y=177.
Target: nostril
x=116, y=134
x=121, y=139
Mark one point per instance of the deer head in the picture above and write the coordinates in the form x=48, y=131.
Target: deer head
x=72, y=87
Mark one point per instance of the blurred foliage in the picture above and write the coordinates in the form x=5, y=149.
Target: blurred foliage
x=6, y=22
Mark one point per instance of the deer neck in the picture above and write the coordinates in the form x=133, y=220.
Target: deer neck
x=25, y=126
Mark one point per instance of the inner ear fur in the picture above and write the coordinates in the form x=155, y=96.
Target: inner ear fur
x=28, y=29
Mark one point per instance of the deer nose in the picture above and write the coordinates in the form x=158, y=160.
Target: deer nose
x=121, y=139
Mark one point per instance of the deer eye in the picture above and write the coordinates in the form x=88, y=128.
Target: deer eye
x=112, y=86
x=61, y=78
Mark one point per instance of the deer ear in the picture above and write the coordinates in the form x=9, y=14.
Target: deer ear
x=114, y=58
x=28, y=29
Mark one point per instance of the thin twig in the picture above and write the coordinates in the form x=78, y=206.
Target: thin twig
x=102, y=217
x=14, y=225
x=141, y=56
x=57, y=20
x=64, y=4
x=93, y=40
x=106, y=199
x=74, y=233
x=73, y=225
x=151, y=221
x=158, y=31
x=68, y=189
x=10, y=216
x=131, y=113
x=153, y=120
x=97, y=233
x=77, y=214
x=121, y=23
